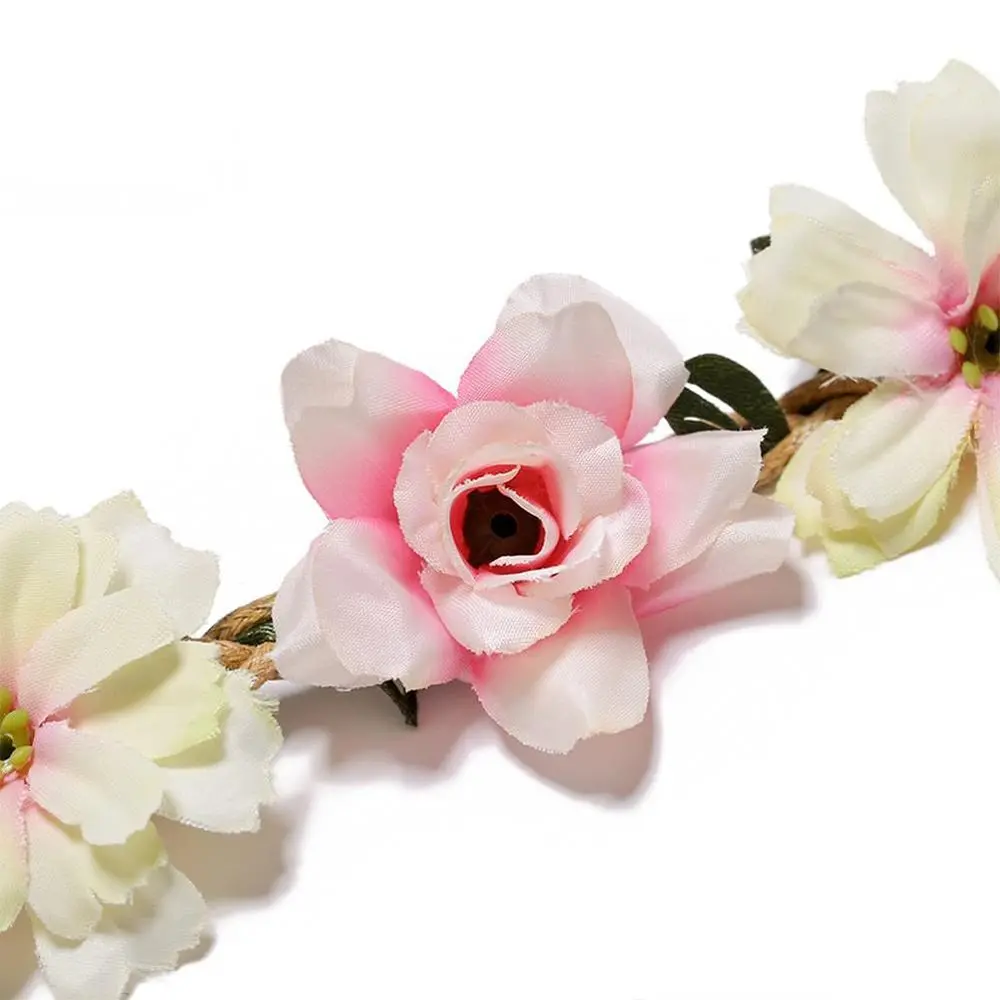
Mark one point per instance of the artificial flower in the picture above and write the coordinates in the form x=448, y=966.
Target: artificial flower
x=844, y=294
x=511, y=535
x=109, y=720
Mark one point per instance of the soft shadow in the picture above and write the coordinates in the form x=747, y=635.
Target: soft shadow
x=17, y=958
x=366, y=738
x=231, y=869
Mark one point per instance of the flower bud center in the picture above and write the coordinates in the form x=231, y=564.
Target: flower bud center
x=495, y=525
x=16, y=734
x=978, y=344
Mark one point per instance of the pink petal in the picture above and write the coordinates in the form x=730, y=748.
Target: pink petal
x=573, y=355
x=372, y=611
x=497, y=619
x=591, y=677
x=988, y=468
x=756, y=541
x=695, y=482
x=657, y=370
x=351, y=415
x=600, y=552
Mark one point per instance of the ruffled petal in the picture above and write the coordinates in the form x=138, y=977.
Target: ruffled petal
x=937, y=145
x=166, y=918
x=498, y=619
x=694, y=482
x=185, y=580
x=754, y=542
x=302, y=653
x=221, y=784
x=898, y=440
x=573, y=355
x=591, y=677
x=160, y=705
x=39, y=562
x=351, y=415
x=107, y=789
x=372, y=610
x=89, y=644
x=657, y=369
x=988, y=469
x=819, y=245
x=13, y=855
x=866, y=331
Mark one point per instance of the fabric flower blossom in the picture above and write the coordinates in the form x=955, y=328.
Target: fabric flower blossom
x=513, y=534
x=844, y=294
x=108, y=720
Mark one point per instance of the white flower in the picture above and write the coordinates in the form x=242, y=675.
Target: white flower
x=840, y=292
x=109, y=720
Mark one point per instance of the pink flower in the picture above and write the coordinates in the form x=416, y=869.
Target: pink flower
x=513, y=535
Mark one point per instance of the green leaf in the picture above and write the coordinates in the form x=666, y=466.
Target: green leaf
x=759, y=243
x=692, y=412
x=742, y=392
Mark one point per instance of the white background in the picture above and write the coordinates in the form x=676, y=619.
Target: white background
x=190, y=193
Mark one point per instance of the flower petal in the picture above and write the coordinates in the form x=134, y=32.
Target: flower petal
x=657, y=370
x=107, y=789
x=898, y=440
x=302, y=653
x=98, y=558
x=495, y=620
x=572, y=355
x=988, y=469
x=937, y=145
x=39, y=562
x=793, y=489
x=818, y=245
x=694, y=483
x=166, y=918
x=351, y=415
x=591, y=677
x=87, y=645
x=184, y=579
x=756, y=541
x=221, y=784
x=372, y=610
x=13, y=856
x=865, y=331
x=601, y=551
x=160, y=705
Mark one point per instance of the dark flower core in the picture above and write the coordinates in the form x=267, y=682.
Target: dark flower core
x=495, y=525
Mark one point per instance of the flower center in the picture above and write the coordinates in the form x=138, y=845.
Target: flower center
x=16, y=750
x=978, y=345
x=495, y=525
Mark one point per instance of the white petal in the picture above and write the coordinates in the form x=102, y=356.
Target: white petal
x=898, y=440
x=107, y=789
x=818, y=245
x=301, y=653
x=495, y=620
x=866, y=331
x=937, y=145
x=220, y=785
x=13, y=855
x=166, y=918
x=792, y=488
x=753, y=543
x=988, y=469
x=591, y=677
x=658, y=372
x=98, y=558
x=87, y=645
x=60, y=889
x=39, y=561
x=160, y=705
x=184, y=579
x=694, y=483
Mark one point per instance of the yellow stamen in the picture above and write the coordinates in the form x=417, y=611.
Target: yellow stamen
x=959, y=340
x=987, y=317
x=14, y=722
x=21, y=758
x=972, y=374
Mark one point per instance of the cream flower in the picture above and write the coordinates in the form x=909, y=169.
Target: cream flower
x=108, y=720
x=840, y=292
